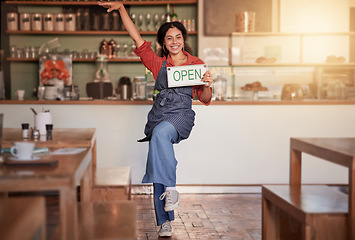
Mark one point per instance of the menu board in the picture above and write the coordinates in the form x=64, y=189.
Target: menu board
x=314, y=16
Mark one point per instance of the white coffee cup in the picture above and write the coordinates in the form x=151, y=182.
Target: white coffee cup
x=20, y=94
x=41, y=119
x=23, y=150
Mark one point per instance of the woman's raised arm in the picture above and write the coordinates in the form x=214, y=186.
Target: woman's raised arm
x=127, y=22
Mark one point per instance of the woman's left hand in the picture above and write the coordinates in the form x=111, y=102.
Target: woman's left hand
x=207, y=78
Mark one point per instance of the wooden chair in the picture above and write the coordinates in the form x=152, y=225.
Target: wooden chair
x=304, y=212
x=107, y=220
x=22, y=218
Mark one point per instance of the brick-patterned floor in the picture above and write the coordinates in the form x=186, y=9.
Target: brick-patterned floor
x=199, y=216
x=205, y=216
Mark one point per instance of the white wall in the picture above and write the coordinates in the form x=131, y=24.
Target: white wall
x=230, y=144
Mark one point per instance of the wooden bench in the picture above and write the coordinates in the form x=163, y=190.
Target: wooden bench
x=306, y=212
x=22, y=218
x=111, y=184
x=107, y=220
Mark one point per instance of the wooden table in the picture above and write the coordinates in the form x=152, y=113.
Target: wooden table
x=337, y=150
x=71, y=171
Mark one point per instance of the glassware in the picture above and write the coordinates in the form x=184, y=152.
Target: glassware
x=220, y=88
x=13, y=50
x=148, y=19
x=156, y=19
x=140, y=21
x=139, y=87
x=124, y=50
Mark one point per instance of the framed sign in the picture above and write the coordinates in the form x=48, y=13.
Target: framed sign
x=186, y=75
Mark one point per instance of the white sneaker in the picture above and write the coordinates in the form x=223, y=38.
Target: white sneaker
x=171, y=201
x=165, y=230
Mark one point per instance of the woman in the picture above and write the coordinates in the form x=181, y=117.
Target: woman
x=171, y=118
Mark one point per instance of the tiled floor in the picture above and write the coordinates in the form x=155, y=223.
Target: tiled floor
x=199, y=216
x=205, y=216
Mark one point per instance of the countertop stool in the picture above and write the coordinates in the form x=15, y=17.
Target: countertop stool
x=22, y=218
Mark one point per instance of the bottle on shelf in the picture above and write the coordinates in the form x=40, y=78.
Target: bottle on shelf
x=168, y=14
x=174, y=16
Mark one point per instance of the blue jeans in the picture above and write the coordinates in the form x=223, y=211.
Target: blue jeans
x=161, y=162
x=160, y=213
x=161, y=167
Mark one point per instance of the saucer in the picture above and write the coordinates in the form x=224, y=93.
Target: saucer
x=24, y=159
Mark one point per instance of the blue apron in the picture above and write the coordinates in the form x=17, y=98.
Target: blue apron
x=173, y=105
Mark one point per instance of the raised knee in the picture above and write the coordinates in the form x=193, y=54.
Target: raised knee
x=163, y=132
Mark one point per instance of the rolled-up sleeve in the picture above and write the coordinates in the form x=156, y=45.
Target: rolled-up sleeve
x=149, y=59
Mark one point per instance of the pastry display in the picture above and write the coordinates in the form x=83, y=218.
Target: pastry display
x=254, y=86
x=292, y=92
x=265, y=60
x=334, y=59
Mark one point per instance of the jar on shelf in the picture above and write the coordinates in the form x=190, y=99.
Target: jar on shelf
x=12, y=21
x=36, y=21
x=48, y=23
x=139, y=88
x=25, y=21
x=69, y=22
x=59, y=22
x=220, y=88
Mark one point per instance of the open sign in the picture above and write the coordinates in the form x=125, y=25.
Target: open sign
x=186, y=75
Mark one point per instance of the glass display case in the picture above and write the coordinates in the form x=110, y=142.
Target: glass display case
x=264, y=66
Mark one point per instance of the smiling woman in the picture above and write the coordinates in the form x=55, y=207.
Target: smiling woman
x=171, y=118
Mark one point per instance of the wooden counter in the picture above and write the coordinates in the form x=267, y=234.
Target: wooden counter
x=195, y=102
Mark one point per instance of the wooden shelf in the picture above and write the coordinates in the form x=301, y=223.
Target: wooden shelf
x=292, y=64
x=85, y=32
x=128, y=60
x=86, y=3
x=267, y=34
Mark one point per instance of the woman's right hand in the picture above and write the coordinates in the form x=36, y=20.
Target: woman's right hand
x=110, y=5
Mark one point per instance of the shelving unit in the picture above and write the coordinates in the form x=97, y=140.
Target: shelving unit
x=86, y=3
x=85, y=32
x=71, y=40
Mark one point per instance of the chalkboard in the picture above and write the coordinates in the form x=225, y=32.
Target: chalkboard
x=220, y=15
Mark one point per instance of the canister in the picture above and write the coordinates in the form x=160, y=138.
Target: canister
x=69, y=22
x=139, y=88
x=48, y=23
x=59, y=22
x=36, y=19
x=12, y=21
x=245, y=21
x=25, y=21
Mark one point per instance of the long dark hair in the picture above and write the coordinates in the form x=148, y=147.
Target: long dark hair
x=161, y=35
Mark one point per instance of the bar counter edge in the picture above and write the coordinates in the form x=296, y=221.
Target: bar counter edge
x=195, y=102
